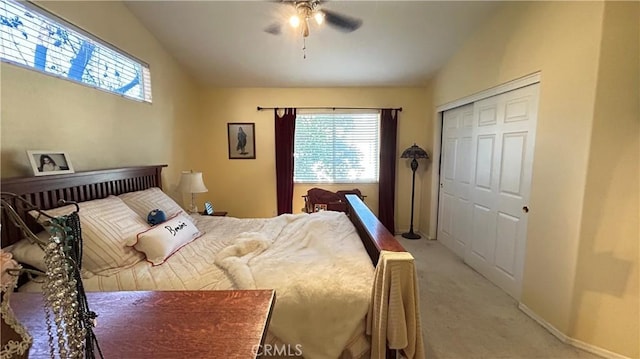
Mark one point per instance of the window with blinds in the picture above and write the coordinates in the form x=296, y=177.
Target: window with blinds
x=34, y=38
x=337, y=148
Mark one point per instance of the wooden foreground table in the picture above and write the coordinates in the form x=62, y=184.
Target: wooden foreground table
x=173, y=324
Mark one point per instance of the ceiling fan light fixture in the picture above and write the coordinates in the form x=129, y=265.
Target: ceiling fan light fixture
x=305, y=10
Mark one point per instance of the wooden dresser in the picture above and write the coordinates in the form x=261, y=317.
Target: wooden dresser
x=173, y=324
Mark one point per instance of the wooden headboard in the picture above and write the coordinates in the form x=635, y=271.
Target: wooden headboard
x=44, y=192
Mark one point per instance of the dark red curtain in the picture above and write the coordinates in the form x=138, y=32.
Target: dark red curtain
x=285, y=130
x=387, y=180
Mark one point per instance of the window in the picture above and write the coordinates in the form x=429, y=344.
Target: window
x=32, y=37
x=336, y=148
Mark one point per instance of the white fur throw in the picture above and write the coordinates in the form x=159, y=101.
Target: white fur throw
x=320, y=270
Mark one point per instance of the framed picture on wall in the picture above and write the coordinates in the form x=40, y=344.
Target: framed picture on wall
x=46, y=163
x=242, y=140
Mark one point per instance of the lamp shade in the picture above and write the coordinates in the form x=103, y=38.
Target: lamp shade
x=414, y=152
x=191, y=182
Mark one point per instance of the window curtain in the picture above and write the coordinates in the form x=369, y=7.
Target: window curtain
x=387, y=178
x=285, y=127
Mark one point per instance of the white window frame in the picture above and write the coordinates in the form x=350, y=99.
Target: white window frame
x=107, y=67
x=343, y=112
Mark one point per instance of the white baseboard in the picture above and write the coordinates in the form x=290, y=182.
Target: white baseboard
x=546, y=325
x=568, y=340
x=425, y=236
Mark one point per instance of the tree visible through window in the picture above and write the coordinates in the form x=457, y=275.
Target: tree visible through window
x=336, y=148
x=34, y=38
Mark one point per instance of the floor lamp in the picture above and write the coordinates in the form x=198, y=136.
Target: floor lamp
x=414, y=152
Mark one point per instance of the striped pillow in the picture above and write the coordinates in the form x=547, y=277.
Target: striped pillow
x=143, y=202
x=107, y=225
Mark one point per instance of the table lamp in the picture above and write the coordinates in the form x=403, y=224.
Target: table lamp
x=191, y=182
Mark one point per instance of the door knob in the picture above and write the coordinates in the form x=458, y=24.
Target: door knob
x=525, y=209
x=441, y=185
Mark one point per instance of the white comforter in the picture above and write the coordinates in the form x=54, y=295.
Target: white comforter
x=322, y=275
x=317, y=264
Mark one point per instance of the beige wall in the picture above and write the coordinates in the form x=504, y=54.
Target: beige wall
x=424, y=197
x=606, y=301
x=562, y=40
x=98, y=129
x=247, y=188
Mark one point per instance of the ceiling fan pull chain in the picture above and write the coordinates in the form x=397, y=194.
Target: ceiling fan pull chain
x=304, y=47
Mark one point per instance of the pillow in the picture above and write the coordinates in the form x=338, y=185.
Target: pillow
x=143, y=202
x=161, y=241
x=26, y=252
x=107, y=225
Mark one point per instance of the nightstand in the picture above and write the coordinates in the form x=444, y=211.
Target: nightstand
x=216, y=214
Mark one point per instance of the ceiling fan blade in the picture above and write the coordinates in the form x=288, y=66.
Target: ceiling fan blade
x=343, y=23
x=274, y=29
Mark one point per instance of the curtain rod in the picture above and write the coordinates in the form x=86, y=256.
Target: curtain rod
x=328, y=108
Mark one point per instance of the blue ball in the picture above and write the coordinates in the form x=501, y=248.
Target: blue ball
x=156, y=216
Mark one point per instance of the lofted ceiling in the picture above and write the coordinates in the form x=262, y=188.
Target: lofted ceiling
x=223, y=43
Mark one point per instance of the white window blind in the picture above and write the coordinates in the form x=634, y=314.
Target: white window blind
x=36, y=39
x=337, y=148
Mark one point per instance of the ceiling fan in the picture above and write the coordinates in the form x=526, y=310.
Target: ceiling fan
x=310, y=10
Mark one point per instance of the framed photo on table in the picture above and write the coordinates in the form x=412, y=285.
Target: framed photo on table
x=46, y=163
x=208, y=209
x=242, y=140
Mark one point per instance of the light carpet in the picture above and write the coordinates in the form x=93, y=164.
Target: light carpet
x=466, y=316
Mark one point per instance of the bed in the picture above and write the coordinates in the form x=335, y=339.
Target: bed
x=223, y=256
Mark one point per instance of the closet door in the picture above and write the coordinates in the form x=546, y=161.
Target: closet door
x=455, y=179
x=503, y=137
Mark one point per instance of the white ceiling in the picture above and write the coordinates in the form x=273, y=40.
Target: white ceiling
x=222, y=43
